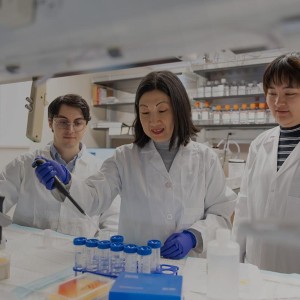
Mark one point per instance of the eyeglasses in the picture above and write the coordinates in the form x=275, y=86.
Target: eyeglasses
x=62, y=123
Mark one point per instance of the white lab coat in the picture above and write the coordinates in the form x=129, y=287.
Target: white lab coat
x=156, y=203
x=272, y=195
x=36, y=206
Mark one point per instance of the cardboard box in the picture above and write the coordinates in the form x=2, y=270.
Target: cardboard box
x=132, y=286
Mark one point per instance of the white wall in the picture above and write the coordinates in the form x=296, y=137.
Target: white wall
x=79, y=84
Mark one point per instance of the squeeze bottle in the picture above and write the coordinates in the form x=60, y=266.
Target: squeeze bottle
x=223, y=267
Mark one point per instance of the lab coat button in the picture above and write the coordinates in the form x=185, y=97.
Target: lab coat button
x=168, y=184
x=169, y=217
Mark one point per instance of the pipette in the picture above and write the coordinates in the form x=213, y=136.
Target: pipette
x=61, y=187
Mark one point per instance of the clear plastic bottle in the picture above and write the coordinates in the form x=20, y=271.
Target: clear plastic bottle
x=226, y=114
x=241, y=88
x=223, y=267
x=144, y=259
x=235, y=114
x=79, y=251
x=117, y=239
x=269, y=115
x=91, y=254
x=130, y=258
x=207, y=89
x=251, y=113
x=103, y=256
x=217, y=114
x=155, y=245
x=244, y=114
x=205, y=113
x=116, y=258
x=260, y=114
x=196, y=111
x=233, y=89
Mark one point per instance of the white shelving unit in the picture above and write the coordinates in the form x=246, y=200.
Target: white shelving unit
x=243, y=67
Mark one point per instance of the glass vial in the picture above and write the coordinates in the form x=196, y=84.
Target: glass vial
x=79, y=252
x=103, y=256
x=223, y=267
x=116, y=258
x=91, y=255
x=155, y=245
x=144, y=259
x=130, y=257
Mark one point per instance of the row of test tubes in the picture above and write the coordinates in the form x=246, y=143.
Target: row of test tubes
x=111, y=257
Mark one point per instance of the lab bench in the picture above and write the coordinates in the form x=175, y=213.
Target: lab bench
x=37, y=262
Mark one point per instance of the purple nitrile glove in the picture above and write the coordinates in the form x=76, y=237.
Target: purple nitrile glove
x=178, y=245
x=46, y=171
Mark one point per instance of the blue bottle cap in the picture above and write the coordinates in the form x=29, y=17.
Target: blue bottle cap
x=116, y=247
x=91, y=243
x=79, y=241
x=154, y=244
x=104, y=244
x=130, y=248
x=144, y=250
x=117, y=239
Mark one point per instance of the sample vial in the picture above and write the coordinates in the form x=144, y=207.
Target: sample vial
x=116, y=258
x=223, y=267
x=130, y=257
x=155, y=256
x=144, y=259
x=91, y=254
x=117, y=239
x=103, y=256
x=79, y=251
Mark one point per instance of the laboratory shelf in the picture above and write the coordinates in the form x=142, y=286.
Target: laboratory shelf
x=235, y=126
x=229, y=97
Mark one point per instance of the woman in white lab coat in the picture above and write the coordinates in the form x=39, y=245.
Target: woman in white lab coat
x=270, y=187
x=172, y=188
x=35, y=206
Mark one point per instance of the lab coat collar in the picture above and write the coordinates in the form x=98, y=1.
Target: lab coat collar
x=271, y=148
x=157, y=162
x=84, y=158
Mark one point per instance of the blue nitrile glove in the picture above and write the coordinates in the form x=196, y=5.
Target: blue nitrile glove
x=46, y=172
x=178, y=245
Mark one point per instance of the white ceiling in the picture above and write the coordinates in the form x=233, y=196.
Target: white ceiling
x=44, y=38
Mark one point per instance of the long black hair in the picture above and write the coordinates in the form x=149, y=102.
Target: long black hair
x=168, y=83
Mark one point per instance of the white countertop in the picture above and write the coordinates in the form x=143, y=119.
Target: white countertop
x=34, y=266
